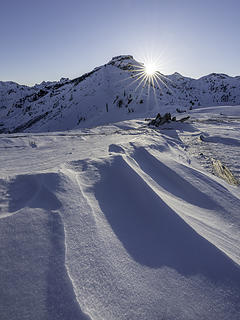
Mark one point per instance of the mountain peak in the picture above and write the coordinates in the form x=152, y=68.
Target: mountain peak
x=122, y=57
x=124, y=62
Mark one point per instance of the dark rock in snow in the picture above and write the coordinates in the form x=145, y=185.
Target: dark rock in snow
x=159, y=120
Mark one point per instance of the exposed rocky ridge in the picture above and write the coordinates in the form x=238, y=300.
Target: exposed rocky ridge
x=108, y=93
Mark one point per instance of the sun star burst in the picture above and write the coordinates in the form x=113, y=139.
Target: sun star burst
x=147, y=75
x=150, y=69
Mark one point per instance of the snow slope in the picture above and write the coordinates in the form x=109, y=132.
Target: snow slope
x=120, y=221
x=109, y=93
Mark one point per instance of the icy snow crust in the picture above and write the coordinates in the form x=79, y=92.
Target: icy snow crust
x=120, y=222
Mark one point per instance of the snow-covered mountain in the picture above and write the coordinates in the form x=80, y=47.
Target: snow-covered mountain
x=107, y=94
x=124, y=220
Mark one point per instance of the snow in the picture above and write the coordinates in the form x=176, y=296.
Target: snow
x=121, y=221
x=109, y=93
x=217, y=136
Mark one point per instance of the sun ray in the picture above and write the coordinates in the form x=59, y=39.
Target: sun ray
x=142, y=80
x=140, y=77
x=164, y=83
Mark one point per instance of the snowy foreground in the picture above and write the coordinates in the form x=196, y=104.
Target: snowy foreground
x=121, y=221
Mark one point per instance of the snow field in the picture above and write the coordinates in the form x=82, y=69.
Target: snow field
x=116, y=222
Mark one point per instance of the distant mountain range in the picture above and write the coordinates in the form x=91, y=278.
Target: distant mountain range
x=107, y=94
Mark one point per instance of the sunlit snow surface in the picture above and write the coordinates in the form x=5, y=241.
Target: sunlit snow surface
x=121, y=222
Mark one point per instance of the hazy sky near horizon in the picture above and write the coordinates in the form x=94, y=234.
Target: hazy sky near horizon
x=47, y=40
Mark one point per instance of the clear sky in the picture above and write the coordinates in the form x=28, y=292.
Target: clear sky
x=50, y=39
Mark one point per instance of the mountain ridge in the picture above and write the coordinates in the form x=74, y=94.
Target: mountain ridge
x=112, y=92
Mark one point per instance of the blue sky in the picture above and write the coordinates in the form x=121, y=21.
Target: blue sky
x=47, y=40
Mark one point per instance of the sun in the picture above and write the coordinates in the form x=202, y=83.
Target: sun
x=146, y=74
x=150, y=69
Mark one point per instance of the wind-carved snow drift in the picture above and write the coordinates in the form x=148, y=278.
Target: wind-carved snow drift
x=109, y=93
x=116, y=222
x=119, y=221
